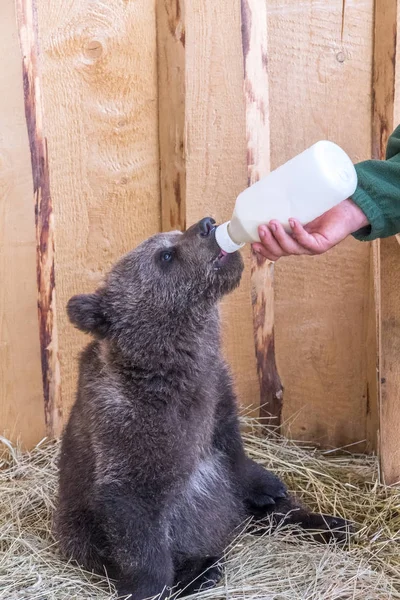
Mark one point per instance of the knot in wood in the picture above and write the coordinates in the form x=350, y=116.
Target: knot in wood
x=93, y=49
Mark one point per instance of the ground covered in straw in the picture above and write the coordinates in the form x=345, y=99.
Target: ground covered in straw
x=280, y=566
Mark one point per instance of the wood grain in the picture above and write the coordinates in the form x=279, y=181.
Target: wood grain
x=120, y=148
x=386, y=115
x=373, y=341
x=216, y=166
x=255, y=57
x=171, y=103
x=389, y=450
x=320, y=87
x=383, y=74
x=99, y=73
x=21, y=395
x=44, y=219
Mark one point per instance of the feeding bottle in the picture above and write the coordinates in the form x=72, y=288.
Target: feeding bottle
x=304, y=188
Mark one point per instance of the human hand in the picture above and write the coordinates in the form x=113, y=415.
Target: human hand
x=314, y=238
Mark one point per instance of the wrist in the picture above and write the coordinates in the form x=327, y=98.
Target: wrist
x=354, y=216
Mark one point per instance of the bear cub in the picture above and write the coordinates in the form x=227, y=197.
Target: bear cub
x=154, y=479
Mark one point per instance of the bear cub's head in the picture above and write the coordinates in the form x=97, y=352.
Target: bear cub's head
x=169, y=278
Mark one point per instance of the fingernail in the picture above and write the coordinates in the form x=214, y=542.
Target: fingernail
x=273, y=226
x=291, y=223
x=262, y=231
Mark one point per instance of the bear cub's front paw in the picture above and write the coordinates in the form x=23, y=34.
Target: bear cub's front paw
x=262, y=489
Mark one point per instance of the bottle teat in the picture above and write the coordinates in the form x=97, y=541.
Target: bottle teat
x=224, y=240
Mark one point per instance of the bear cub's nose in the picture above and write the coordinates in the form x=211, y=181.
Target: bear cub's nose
x=206, y=226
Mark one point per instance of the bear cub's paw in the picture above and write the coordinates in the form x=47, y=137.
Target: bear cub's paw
x=262, y=489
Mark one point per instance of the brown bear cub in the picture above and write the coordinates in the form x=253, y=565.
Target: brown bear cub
x=154, y=479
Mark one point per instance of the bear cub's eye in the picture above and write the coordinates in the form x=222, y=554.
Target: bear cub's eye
x=166, y=256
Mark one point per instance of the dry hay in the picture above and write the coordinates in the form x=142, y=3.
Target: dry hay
x=280, y=566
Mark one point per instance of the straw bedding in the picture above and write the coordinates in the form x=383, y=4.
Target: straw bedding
x=279, y=566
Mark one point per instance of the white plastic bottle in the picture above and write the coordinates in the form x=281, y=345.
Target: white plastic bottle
x=304, y=188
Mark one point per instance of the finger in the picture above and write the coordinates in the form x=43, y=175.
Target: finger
x=261, y=251
x=305, y=239
x=286, y=241
x=269, y=242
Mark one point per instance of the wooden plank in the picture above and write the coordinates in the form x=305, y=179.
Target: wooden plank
x=171, y=102
x=386, y=115
x=373, y=294
x=216, y=166
x=21, y=396
x=319, y=63
x=98, y=63
x=389, y=450
x=44, y=219
x=254, y=43
x=383, y=76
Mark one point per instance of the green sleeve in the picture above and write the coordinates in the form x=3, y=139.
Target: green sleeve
x=378, y=192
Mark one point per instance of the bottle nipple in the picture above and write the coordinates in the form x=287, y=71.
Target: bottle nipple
x=224, y=240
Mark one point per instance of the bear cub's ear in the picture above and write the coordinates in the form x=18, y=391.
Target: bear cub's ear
x=86, y=313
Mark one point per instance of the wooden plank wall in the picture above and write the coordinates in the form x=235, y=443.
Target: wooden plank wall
x=44, y=218
x=153, y=114
x=386, y=116
x=256, y=92
x=203, y=148
x=99, y=94
x=320, y=63
x=21, y=395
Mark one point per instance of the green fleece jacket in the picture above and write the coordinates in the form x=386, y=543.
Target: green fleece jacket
x=378, y=192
